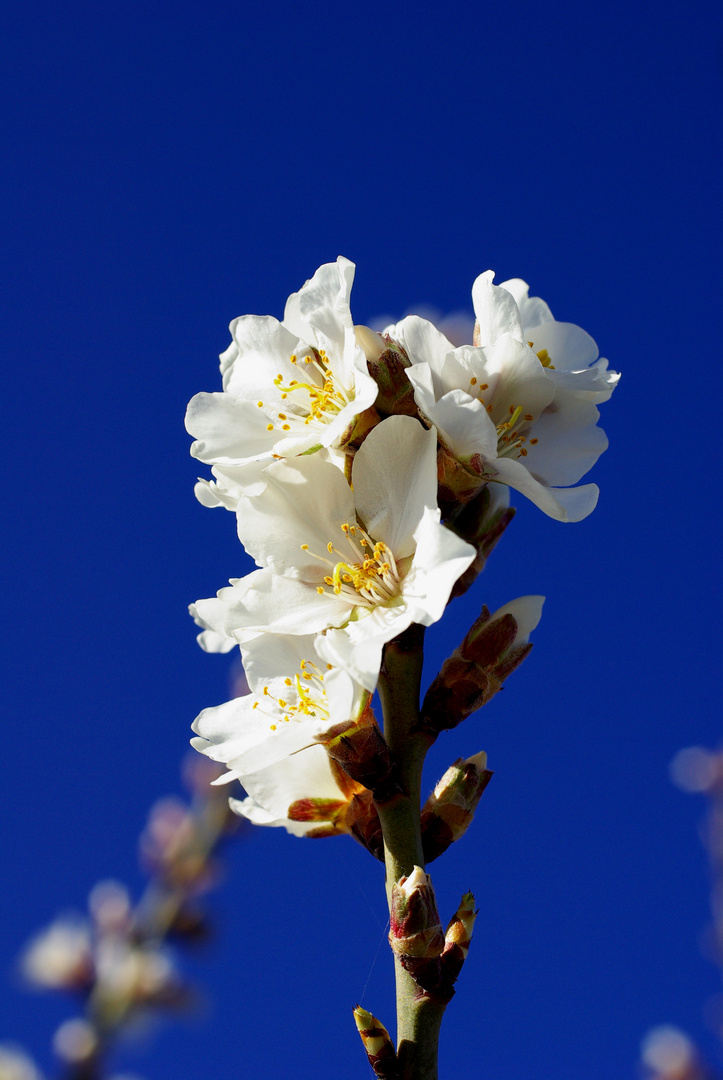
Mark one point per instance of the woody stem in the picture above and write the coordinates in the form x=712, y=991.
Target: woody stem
x=418, y=1017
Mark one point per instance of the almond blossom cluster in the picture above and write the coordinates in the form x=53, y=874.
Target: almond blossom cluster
x=369, y=475
x=344, y=455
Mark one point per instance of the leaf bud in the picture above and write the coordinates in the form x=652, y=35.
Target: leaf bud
x=449, y=810
x=378, y=1045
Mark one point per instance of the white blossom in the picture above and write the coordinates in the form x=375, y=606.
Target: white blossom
x=295, y=697
x=519, y=406
x=288, y=388
x=356, y=566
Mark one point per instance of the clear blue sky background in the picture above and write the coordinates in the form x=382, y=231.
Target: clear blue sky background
x=169, y=166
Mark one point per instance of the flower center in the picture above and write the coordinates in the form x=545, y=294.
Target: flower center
x=510, y=440
x=314, y=400
x=308, y=688
x=366, y=573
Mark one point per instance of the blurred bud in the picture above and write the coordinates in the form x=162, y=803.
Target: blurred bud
x=415, y=928
x=75, y=1042
x=449, y=810
x=171, y=847
x=16, y=1065
x=378, y=1045
x=670, y=1055
x=110, y=907
x=696, y=769
x=60, y=957
x=492, y=649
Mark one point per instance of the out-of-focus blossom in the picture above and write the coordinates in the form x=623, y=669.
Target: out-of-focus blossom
x=60, y=957
x=670, y=1055
x=16, y=1065
x=289, y=388
x=359, y=565
x=76, y=1041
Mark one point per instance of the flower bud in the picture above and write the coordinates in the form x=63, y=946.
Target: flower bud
x=378, y=1045
x=387, y=367
x=492, y=649
x=449, y=810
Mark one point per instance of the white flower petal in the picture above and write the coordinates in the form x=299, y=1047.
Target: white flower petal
x=395, y=480
x=319, y=311
x=306, y=501
x=495, y=310
x=563, y=504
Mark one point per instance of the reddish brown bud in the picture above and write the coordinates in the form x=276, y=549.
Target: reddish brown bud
x=493, y=647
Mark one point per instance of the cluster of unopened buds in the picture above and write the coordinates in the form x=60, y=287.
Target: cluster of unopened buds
x=369, y=474
x=116, y=960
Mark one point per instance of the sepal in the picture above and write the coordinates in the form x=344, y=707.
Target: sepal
x=360, y=750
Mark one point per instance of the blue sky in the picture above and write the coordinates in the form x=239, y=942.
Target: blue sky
x=168, y=168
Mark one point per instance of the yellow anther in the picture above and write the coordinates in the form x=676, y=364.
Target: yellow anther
x=528, y=416
x=273, y=727
x=473, y=381
x=286, y=427
x=330, y=547
x=319, y=589
x=282, y=416
x=292, y=358
x=329, y=667
x=544, y=357
x=269, y=427
x=534, y=442
x=484, y=386
x=282, y=703
x=288, y=682
x=260, y=404
x=304, y=547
